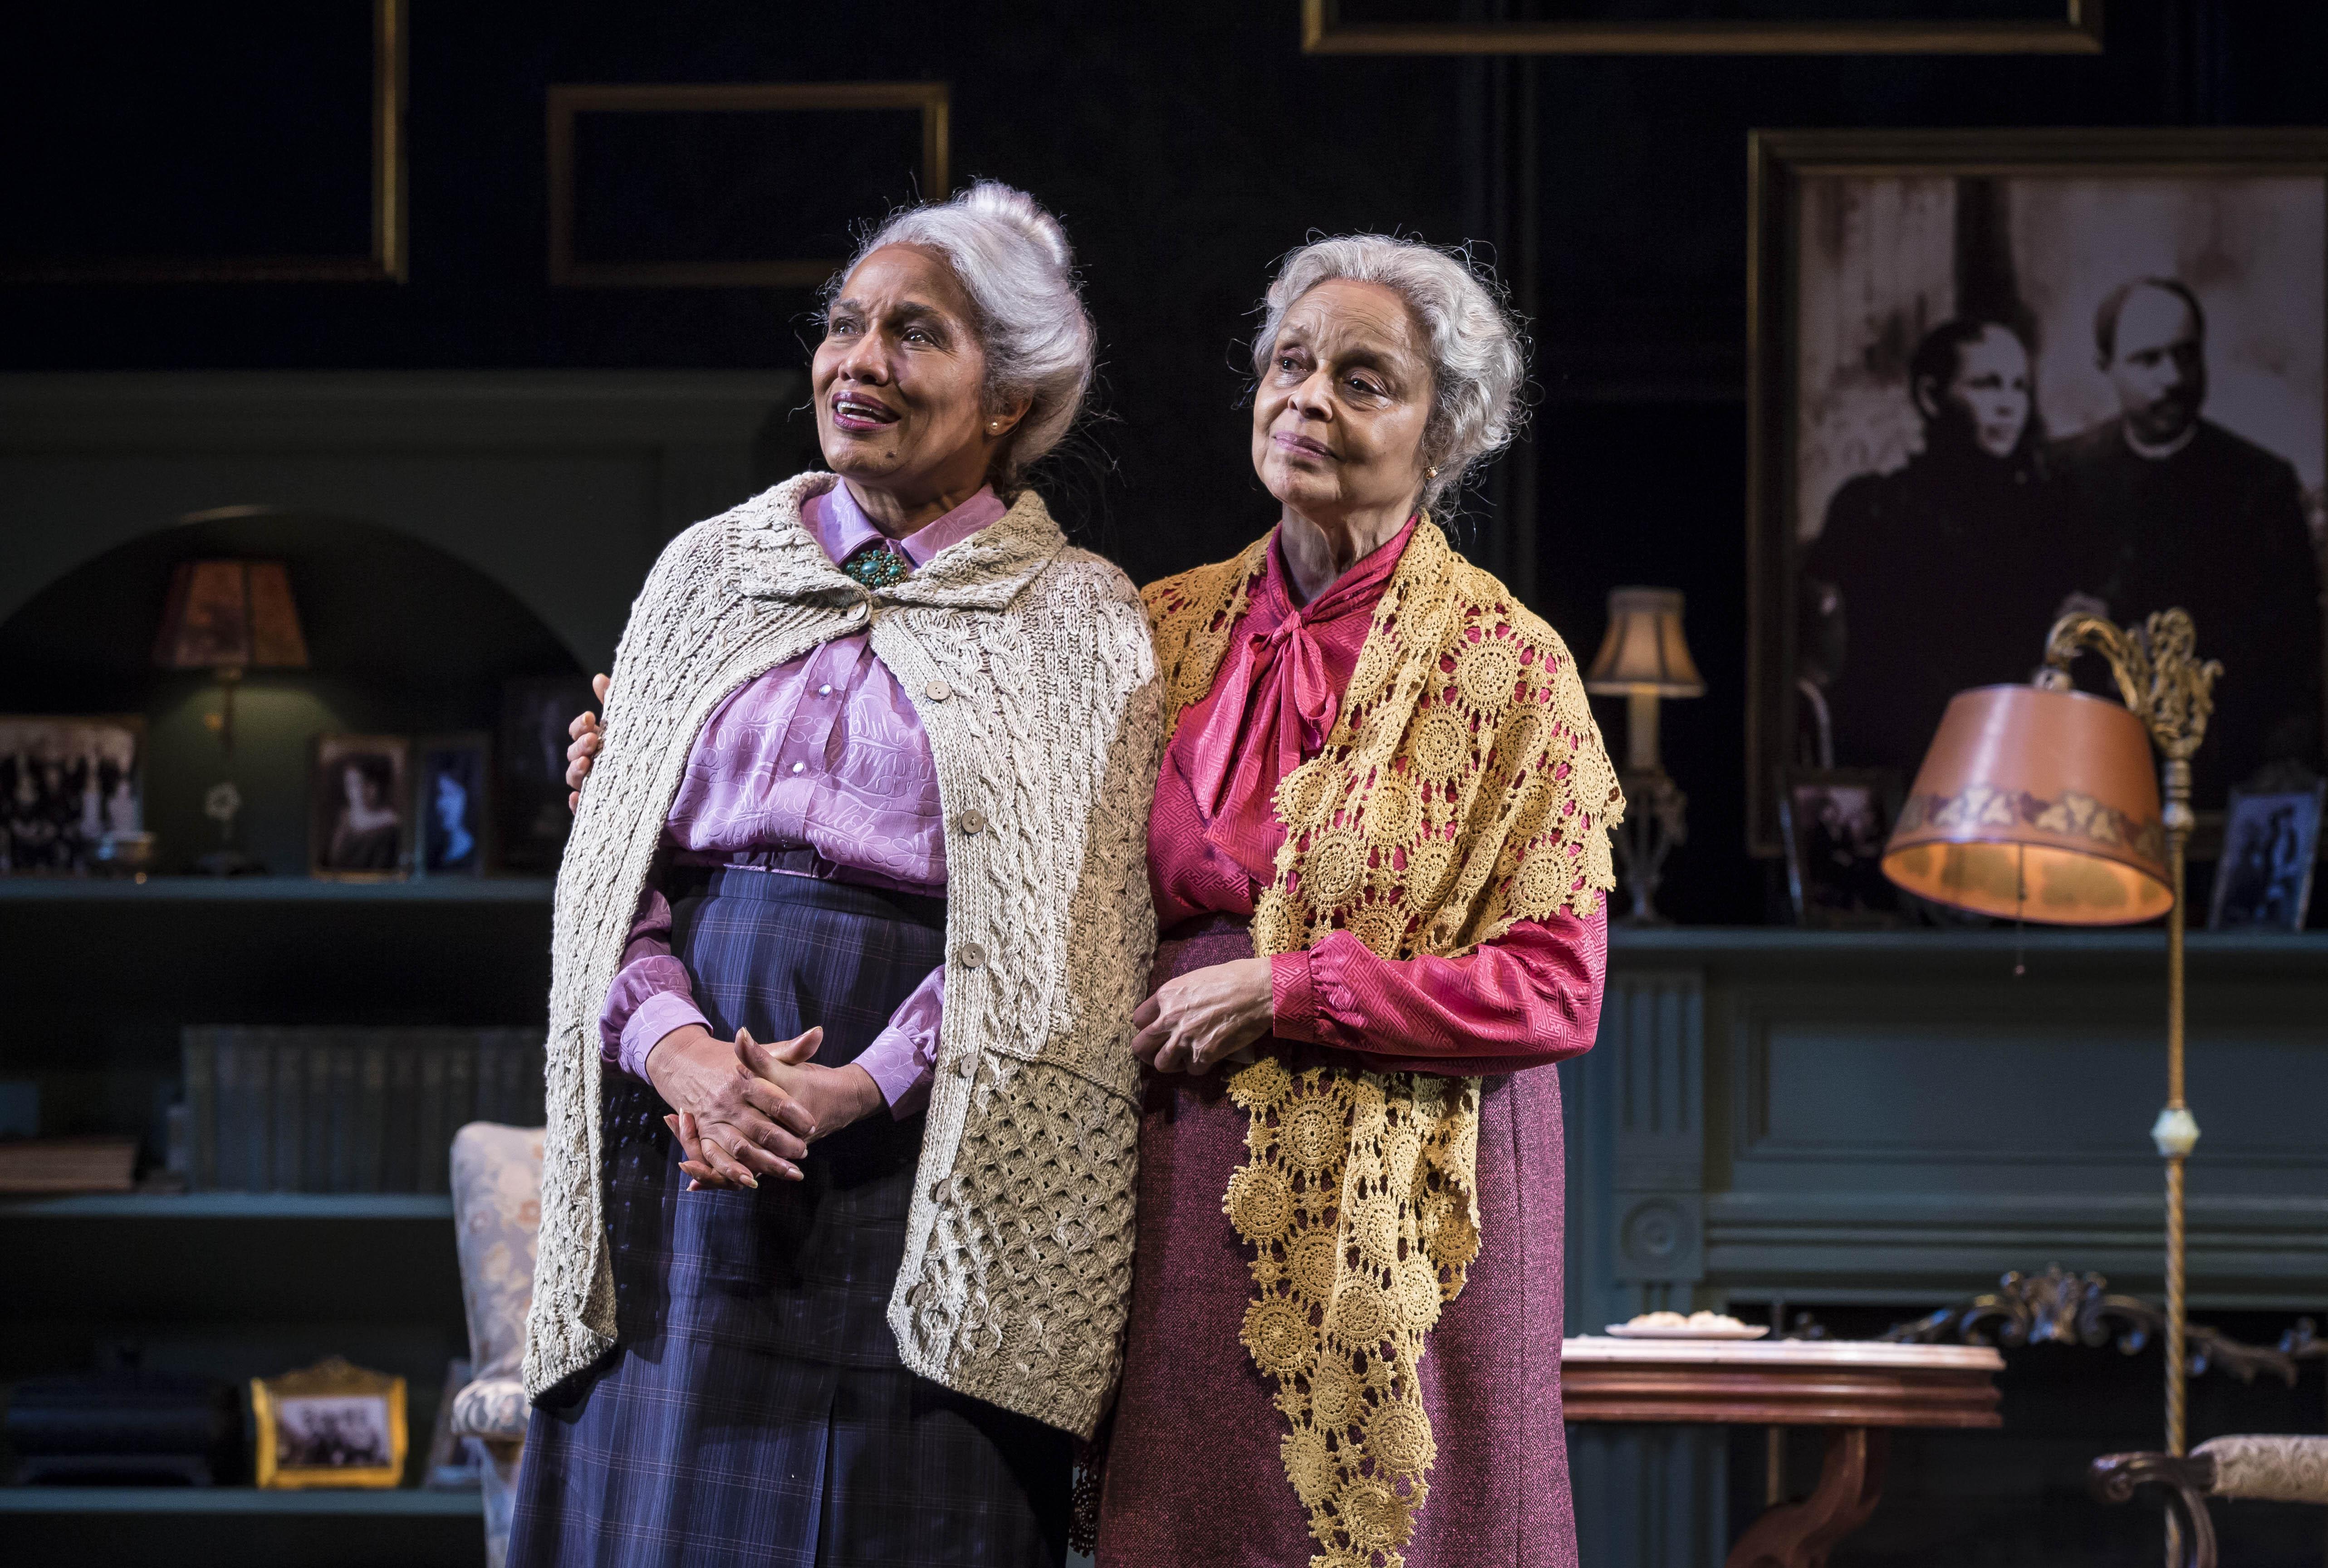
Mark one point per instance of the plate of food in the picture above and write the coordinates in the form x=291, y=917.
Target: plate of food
x=1695, y=1326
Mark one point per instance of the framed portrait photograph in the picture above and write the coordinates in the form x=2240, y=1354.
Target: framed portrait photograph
x=360, y=808
x=67, y=784
x=2270, y=845
x=1997, y=375
x=1836, y=821
x=333, y=1425
x=454, y=805
x=534, y=820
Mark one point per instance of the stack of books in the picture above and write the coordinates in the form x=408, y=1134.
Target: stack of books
x=98, y=1164
x=348, y=1110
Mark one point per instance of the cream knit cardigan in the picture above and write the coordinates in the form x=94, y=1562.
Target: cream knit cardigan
x=1030, y=666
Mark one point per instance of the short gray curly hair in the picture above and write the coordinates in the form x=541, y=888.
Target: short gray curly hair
x=1014, y=262
x=1477, y=344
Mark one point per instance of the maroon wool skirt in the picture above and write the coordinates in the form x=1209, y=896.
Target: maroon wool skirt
x=1193, y=1473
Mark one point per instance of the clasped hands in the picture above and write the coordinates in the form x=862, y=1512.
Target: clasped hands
x=747, y=1110
x=743, y=1110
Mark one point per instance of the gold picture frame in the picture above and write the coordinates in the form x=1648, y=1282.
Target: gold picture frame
x=569, y=99
x=333, y=1409
x=2078, y=32
x=389, y=258
x=1780, y=162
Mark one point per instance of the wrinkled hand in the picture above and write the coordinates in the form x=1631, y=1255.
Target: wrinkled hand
x=587, y=738
x=734, y=1127
x=834, y=1095
x=1196, y=1019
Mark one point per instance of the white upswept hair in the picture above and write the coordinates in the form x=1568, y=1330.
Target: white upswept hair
x=1477, y=350
x=1014, y=261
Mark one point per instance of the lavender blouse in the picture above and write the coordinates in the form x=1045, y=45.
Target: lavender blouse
x=818, y=768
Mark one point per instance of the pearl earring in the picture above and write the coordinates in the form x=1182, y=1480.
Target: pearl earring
x=1431, y=473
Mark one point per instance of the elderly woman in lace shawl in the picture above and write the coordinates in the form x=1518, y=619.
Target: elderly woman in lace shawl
x=872, y=736
x=1378, y=852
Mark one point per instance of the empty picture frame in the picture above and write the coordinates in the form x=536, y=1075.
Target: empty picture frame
x=709, y=145
x=1771, y=27
x=176, y=141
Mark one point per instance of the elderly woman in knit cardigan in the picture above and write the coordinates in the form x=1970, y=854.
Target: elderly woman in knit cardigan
x=872, y=736
x=1378, y=850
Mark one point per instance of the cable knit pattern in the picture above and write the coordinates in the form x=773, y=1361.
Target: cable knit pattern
x=1030, y=666
x=2276, y=1469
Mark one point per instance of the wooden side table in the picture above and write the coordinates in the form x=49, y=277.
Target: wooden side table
x=1859, y=1391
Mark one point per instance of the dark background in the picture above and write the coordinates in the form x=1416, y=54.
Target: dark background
x=1186, y=146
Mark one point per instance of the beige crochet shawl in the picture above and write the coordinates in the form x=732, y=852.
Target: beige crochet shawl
x=1464, y=787
x=1030, y=666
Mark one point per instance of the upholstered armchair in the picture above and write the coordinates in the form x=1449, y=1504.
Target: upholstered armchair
x=497, y=1220
x=2279, y=1470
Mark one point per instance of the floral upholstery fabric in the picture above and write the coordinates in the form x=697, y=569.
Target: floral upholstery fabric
x=497, y=1221
x=492, y=1407
x=2278, y=1469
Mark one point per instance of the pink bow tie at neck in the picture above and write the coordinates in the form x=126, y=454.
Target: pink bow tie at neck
x=1246, y=747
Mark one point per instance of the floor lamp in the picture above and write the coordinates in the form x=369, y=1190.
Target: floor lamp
x=2038, y=802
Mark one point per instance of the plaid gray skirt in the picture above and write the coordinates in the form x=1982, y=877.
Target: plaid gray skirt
x=755, y=1411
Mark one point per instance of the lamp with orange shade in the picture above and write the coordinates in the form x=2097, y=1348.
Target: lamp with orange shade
x=229, y=617
x=2041, y=802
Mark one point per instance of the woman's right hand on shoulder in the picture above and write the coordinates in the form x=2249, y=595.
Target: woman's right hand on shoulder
x=585, y=728
x=743, y=1127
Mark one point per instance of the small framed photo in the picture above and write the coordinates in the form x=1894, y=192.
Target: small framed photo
x=2269, y=844
x=535, y=821
x=360, y=808
x=454, y=807
x=69, y=786
x=1836, y=821
x=332, y=1425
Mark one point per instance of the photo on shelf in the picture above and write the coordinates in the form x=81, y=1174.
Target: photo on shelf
x=535, y=712
x=455, y=807
x=1836, y=821
x=68, y=785
x=2270, y=843
x=359, y=800
x=333, y=1425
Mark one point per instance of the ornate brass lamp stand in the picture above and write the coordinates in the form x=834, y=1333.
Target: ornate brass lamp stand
x=2172, y=693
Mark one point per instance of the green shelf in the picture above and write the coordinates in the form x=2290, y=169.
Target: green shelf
x=400, y=1503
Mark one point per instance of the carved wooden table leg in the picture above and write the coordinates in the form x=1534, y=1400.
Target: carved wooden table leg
x=1801, y=1535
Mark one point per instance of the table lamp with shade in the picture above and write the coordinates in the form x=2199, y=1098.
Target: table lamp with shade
x=2040, y=802
x=1645, y=659
x=229, y=617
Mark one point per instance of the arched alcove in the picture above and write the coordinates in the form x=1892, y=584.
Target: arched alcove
x=402, y=639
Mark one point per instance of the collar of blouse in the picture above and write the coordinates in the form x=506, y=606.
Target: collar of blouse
x=775, y=555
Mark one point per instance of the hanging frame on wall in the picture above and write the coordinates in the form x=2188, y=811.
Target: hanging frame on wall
x=49, y=257
x=1937, y=27
x=1996, y=374
x=703, y=125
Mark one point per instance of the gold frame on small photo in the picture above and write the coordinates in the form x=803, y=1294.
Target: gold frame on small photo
x=334, y=1378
